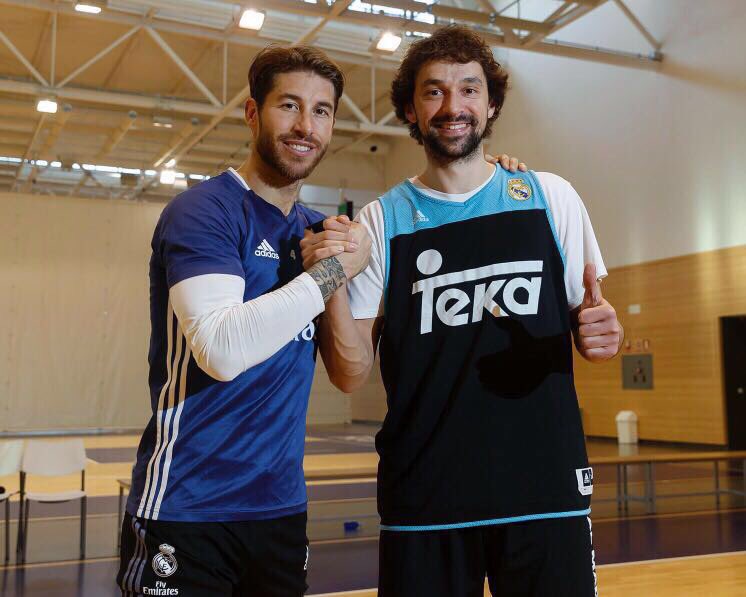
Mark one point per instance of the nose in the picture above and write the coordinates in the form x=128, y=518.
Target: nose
x=451, y=105
x=303, y=126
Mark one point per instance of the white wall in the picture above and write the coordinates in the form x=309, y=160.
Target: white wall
x=658, y=157
x=76, y=320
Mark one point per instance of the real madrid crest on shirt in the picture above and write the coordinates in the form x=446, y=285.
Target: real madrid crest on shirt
x=164, y=563
x=518, y=189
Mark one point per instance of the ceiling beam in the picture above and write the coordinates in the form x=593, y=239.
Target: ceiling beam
x=209, y=48
x=359, y=114
x=336, y=9
x=126, y=52
x=157, y=103
x=98, y=56
x=57, y=124
x=239, y=37
x=117, y=134
x=177, y=140
x=183, y=66
x=29, y=147
x=42, y=39
x=638, y=25
x=22, y=59
x=577, y=51
x=231, y=106
x=563, y=20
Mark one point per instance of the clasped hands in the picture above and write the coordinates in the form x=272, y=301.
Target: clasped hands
x=347, y=241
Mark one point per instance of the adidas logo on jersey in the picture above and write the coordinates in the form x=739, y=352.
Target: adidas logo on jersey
x=519, y=295
x=265, y=250
x=420, y=217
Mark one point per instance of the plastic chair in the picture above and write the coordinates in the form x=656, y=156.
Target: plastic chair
x=52, y=459
x=10, y=463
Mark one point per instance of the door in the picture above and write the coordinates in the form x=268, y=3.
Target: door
x=733, y=332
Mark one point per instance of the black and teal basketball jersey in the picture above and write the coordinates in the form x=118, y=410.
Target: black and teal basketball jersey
x=483, y=425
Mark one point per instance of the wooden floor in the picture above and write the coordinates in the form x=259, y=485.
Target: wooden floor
x=717, y=575
x=722, y=575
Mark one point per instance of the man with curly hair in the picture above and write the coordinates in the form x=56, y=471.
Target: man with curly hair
x=478, y=281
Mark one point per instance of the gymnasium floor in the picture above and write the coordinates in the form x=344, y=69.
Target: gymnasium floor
x=688, y=548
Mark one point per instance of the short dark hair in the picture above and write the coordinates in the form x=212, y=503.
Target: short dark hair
x=276, y=59
x=454, y=43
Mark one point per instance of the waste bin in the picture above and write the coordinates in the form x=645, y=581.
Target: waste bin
x=626, y=427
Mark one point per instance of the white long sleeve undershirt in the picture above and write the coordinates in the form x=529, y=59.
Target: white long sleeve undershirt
x=226, y=335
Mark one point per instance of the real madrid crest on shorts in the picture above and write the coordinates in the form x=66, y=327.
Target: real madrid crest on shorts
x=518, y=189
x=164, y=563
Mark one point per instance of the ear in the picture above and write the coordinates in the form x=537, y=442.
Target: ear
x=251, y=111
x=491, y=110
x=251, y=114
x=410, y=113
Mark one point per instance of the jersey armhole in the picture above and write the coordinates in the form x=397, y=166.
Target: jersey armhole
x=387, y=248
x=548, y=212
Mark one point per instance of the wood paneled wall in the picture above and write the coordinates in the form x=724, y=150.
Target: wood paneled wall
x=681, y=300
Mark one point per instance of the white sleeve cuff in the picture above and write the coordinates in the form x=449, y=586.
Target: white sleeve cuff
x=315, y=292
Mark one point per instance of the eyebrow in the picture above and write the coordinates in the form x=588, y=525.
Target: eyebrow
x=473, y=79
x=299, y=99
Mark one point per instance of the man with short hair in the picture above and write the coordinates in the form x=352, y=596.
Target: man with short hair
x=478, y=281
x=218, y=499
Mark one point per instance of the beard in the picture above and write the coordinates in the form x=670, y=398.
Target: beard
x=449, y=150
x=287, y=167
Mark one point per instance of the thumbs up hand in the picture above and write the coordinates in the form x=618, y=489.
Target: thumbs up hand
x=598, y=333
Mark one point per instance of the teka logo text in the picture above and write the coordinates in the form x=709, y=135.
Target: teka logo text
x=456, y=307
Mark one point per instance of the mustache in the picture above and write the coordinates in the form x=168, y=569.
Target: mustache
x=468, y=119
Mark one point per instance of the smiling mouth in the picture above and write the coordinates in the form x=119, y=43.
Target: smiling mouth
x=457, y=126
x=299, y=148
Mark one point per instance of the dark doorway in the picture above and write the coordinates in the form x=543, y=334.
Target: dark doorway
x=733, y=332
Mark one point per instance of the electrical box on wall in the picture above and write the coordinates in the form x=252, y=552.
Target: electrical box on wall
x=637, y=372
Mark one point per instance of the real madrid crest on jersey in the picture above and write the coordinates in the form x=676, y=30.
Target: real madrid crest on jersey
x=164, y=563
x=518, y=189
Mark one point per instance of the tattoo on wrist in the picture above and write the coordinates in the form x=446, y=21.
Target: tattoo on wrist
x=329, y=275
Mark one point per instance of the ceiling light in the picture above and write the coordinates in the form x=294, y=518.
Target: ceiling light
x=168, y=177
x=388, y=42
x=251, y=19
x=171, y=163
x=47, y=106
x=163, y=121
x=90, y=7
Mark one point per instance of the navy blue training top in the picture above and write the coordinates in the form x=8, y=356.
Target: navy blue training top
x=221, y=451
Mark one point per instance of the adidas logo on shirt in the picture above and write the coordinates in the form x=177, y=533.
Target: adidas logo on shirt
x=265, y=250
x=420, y=217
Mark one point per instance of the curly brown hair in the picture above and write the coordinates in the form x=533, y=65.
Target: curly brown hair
x=454, y=43
x=276, y=59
